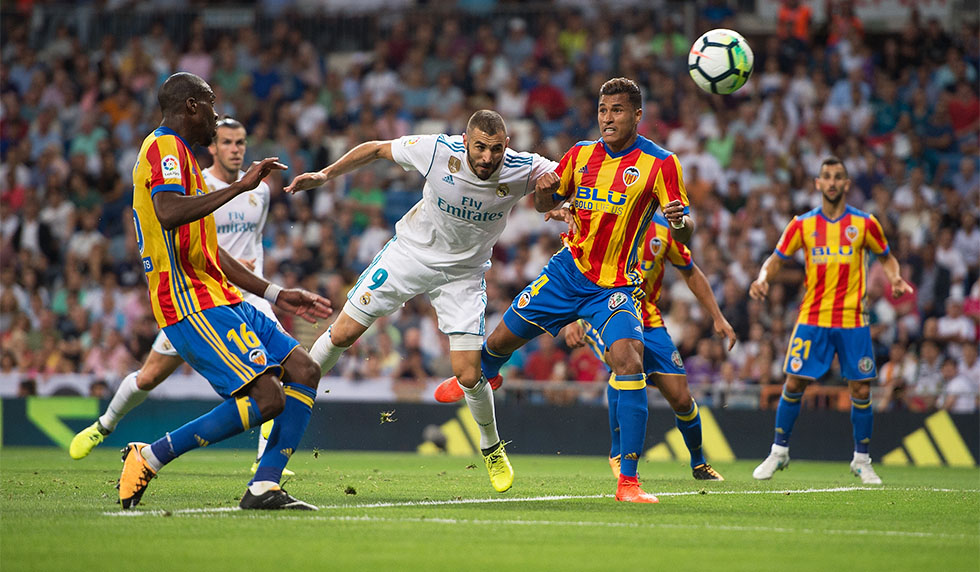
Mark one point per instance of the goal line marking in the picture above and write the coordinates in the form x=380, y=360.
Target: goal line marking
x=460, y=501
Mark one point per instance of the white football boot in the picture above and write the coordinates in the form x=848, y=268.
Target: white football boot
x=777, y=460
x=861, y=467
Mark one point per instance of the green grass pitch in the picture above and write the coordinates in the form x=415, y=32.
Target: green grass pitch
x=387, y=511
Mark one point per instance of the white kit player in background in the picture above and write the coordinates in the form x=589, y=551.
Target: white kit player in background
x=239, y=224
x=442, y=248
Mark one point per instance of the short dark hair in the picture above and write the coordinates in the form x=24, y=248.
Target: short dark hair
x=488, y=121
x=831, y=161
x=229, y=122
x=623, y=85
x=178, y=88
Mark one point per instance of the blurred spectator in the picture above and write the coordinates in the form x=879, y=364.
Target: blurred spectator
x=99, y=389
x=544, y=100
x=901, y=109
x=584, y=366
x=541, y=362
x=960, y=393
x=702, y=370
x=928, y=378
x=33, y=236
x=895, y=377
x=27, y=388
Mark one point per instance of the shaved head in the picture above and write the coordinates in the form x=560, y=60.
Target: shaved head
x=187, y=103
x=180, y=87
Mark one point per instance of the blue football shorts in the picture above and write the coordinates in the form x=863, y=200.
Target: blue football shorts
x=561, y=294
x=660, y=355
x=812, y=349
x=231, y=345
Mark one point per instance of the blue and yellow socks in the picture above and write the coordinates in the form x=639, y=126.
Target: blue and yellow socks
x=786, y=413
x=286, y=433
x=491, y=362
x=631, y=412
x=231, y=417
x=689, y=424
x=862, y=420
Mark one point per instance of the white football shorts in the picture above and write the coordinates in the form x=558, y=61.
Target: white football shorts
x=459, y=296
x=162, y=345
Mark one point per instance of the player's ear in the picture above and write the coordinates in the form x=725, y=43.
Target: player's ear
x=191, y=105
x=507, y=142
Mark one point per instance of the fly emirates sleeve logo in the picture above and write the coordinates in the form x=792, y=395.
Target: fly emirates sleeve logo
x=468, y=209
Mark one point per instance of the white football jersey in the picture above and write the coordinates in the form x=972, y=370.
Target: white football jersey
x=240, y=221
x=239, y=224
x=460, y=216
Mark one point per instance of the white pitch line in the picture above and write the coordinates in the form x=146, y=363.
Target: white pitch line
x=425, y=503
x=600, y=524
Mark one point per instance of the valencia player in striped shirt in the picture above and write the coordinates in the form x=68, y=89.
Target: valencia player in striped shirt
x=661, y=360
x=836, y=240
x=616, y=184
x=259, y=371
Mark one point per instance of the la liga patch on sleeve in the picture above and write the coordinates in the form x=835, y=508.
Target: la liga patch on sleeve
x=171, y=167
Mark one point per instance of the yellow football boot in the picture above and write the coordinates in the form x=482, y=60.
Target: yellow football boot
x=501, y=473
x=85, y=440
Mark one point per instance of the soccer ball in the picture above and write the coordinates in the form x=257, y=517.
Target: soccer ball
x=720, y=61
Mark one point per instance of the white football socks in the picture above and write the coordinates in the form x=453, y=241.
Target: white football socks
x=128, y=396
x=480, y=401
x=325, y=353
x=150, y=458
x=261, y=487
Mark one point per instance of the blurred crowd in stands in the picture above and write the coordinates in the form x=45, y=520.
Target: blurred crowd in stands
x=900, y=109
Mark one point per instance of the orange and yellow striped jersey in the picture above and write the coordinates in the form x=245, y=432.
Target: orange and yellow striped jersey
x=615, y=196
x=836, y=264
x=659, y=248
x=181, y=265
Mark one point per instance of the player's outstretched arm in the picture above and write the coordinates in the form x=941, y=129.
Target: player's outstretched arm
x=697, y=282
x=176, y=209
x=893, y=272
x=351, y=161
x=760, y=288
x=304, y=304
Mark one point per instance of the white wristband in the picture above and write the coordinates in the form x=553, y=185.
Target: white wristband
x=272, y=292
x=676, y=225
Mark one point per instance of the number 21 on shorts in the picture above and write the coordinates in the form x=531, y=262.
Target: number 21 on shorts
x=797, y=345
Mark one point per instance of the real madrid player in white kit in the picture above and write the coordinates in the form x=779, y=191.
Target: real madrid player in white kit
x=239, y=225
x=442, y=248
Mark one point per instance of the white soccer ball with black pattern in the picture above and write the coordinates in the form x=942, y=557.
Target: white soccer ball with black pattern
x=720, y=61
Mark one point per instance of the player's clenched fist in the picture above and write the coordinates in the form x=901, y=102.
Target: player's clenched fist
x=547, y=182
